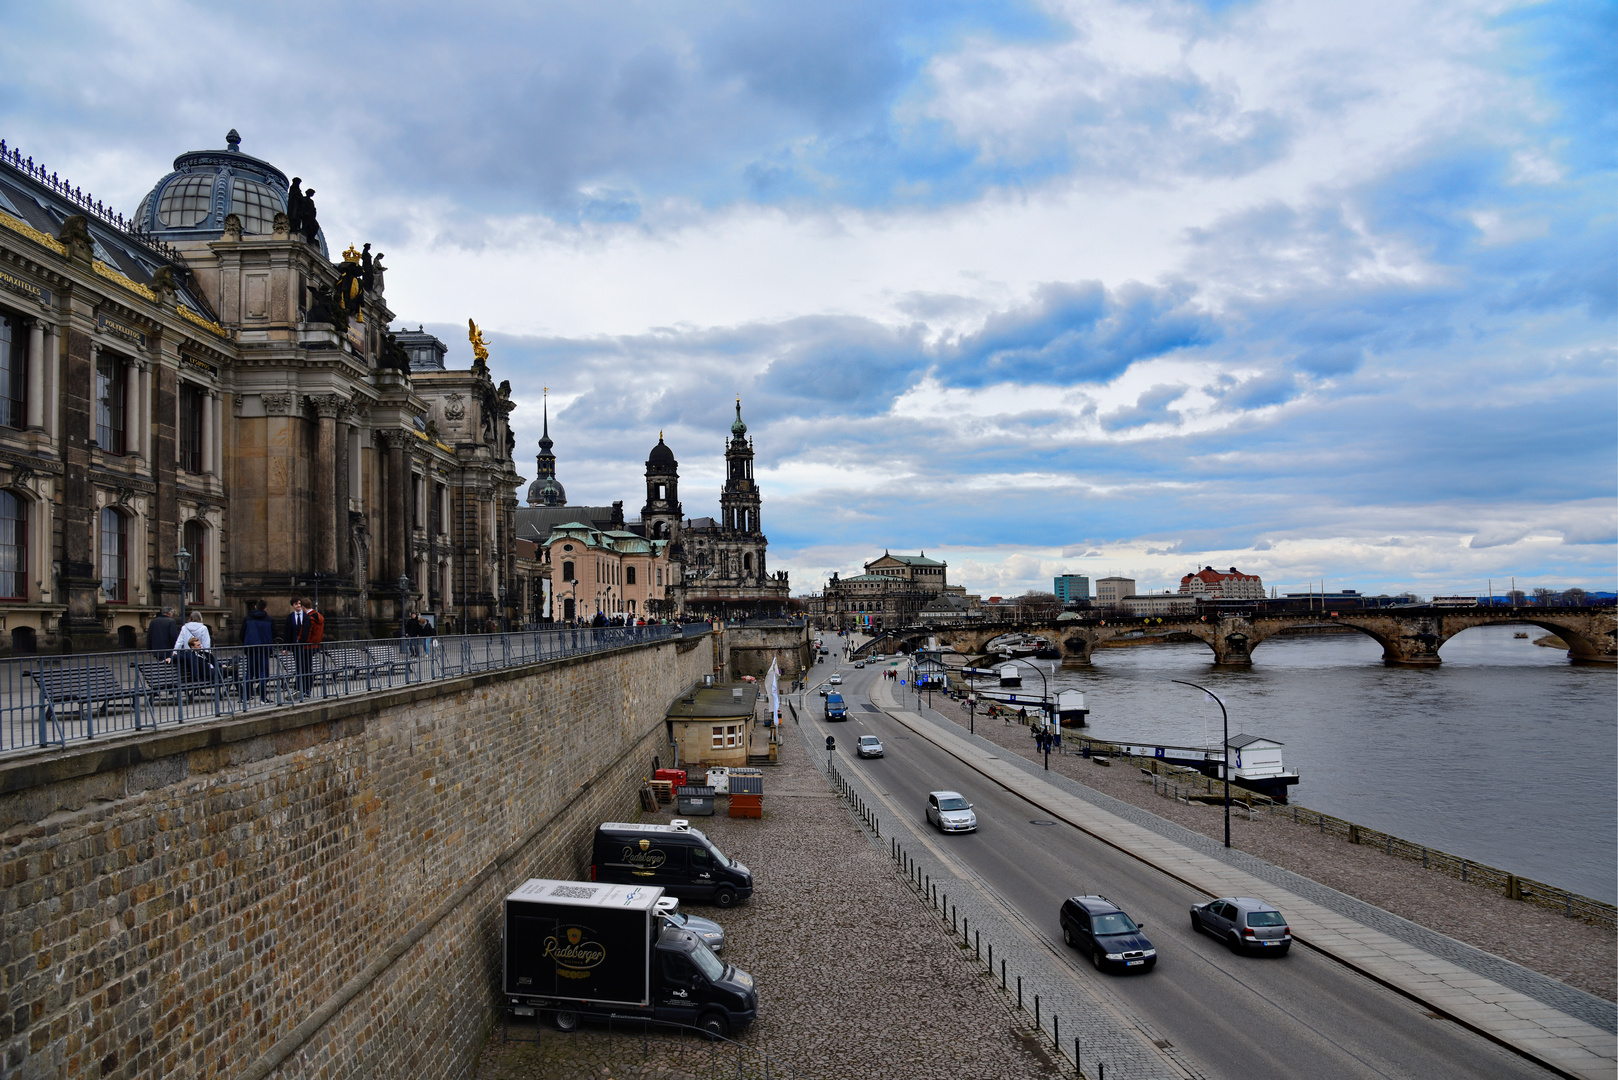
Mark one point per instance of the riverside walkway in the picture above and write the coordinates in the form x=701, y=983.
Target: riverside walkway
x=1546, y=1021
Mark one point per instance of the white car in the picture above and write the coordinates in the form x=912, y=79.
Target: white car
x=950, y=812
x=836, y=679
x=869, y=746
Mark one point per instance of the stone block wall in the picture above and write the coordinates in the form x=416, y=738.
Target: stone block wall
x=315, y=893
x=751, y=649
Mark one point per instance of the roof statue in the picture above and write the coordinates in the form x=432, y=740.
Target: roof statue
x=350, y=286
x=480, y=348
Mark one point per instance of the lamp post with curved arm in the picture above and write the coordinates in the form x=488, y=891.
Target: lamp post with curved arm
x=1045, y=705
x=1224, y=766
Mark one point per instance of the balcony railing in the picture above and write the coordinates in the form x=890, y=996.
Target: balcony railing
x=57, y=700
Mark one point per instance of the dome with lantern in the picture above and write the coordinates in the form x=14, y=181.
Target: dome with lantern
x=191, y=202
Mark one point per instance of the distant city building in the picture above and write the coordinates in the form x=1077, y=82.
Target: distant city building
x=1110, y=590
x=893, y=592
x=1158, y=604
x=1072, y=589
x=1211, y=584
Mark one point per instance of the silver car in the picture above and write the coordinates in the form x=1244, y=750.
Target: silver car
x=950, y=812
x=869, y=746
x=1244, y=924
x=668, y=909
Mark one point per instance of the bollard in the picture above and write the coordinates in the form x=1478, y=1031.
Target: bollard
x=1102, y=1071
x=1056, y=1032
x=1078, y=1070
x=1037, y=1026
x=1019, y=991
x=1002, y=971
x=977, y=941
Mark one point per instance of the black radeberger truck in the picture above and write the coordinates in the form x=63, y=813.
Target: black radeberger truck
x=582, y=949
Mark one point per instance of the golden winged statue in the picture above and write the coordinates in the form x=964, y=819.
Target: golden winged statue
x=480, y=348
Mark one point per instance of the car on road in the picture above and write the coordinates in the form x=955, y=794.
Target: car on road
x=1244, y=924
x=1100, y=928
x=950, y=812
x=836, y=679
x=711, y=933
x=859, y=663
x=869, y=746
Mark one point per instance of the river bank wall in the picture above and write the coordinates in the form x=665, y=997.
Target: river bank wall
x=314, y=892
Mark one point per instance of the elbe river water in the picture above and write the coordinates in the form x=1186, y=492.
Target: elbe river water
x=1505, y=753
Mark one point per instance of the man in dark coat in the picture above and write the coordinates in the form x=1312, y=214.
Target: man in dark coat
x=161, y=634
x=258, y=635
x=297, y=633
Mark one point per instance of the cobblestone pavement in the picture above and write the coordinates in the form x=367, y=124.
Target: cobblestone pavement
x=855, y=976
x=1549, y=991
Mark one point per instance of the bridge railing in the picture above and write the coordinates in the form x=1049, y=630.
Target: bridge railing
x=56, y=700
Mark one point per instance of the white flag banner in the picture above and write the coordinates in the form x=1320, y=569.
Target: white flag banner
x=775, y=694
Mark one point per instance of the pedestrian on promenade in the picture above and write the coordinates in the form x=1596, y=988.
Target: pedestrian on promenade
x=192, y=650
x=162, y=633
x=414, y=630
x=296, y=634
x=258, y=636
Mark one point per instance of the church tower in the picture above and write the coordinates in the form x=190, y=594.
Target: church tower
x=739, y=505
x=660, y=517
x=546, y=490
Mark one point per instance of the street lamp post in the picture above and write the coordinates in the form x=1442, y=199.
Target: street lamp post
x=503, y=609
x=573, y=595
x=1045, y=705
x=182, y=561
x=1224, y=766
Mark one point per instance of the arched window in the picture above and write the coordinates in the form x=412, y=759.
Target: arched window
x=567, y=572
x=747, y=562
x=196, y=542
x=114, y=556
x=629, y=575
x=662, y=491
x=13, y=547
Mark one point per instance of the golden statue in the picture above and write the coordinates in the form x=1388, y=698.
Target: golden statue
x=480, y=348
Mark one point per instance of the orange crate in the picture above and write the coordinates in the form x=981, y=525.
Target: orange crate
x=747, y=806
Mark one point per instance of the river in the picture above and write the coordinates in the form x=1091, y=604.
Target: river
x=1505, y=753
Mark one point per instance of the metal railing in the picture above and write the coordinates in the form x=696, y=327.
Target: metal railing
x=55, y=700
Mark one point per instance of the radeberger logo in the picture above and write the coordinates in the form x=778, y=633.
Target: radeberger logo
x=573, y=951
x=645, y=856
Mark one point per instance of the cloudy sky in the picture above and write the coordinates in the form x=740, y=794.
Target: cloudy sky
x=1320, y=290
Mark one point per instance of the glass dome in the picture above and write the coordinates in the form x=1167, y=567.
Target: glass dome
x=191, y=202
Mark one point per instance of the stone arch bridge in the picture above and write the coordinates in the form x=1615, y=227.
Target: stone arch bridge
x=1408, y=635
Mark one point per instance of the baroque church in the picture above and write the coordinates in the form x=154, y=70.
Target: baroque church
x=199, y=405
x=591, y=561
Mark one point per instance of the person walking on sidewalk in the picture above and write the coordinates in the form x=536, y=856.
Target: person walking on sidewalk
x=258, y=635
x=162, y=633
x=298, y=629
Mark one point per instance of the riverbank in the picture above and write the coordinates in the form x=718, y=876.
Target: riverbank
x=854, y=977
x=1575, y=952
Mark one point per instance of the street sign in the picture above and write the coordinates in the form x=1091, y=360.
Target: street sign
x=831, y=743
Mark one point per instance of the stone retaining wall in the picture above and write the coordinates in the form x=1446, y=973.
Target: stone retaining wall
x=750, y=649
x=314, y=892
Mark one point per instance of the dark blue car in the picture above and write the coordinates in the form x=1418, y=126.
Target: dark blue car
x=1097, y=926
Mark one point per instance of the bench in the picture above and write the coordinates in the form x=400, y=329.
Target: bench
x=86, y=687
x=346, y=662
x=175, y=682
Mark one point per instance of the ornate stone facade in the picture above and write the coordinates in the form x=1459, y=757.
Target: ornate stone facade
x=211, y=381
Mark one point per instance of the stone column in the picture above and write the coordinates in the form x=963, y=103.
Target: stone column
x=396, y=541
x=132, y=443
x=216, y=410
x=34, y=395
x=325, y=482
x=205, y=461
x=145, y=400
x=52, y=372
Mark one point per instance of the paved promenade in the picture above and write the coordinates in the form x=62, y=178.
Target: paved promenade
x=1556, y=1025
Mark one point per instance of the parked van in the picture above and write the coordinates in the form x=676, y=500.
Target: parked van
x=681, y=860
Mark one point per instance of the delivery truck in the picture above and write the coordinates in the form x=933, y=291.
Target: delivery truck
x=580, y=949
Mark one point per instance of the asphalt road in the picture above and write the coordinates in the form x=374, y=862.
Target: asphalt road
x=1236, y=1017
